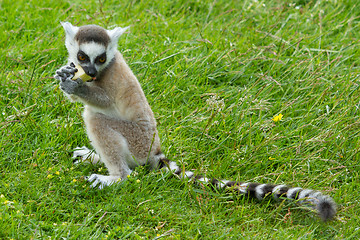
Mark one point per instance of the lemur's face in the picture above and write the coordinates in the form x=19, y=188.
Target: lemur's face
x=92, y=57
x=92, y=47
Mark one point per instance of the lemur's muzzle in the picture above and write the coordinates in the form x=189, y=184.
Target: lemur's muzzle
x=90, y=70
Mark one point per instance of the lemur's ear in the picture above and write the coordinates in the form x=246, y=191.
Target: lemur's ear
x=115, y=33
x=70, y=32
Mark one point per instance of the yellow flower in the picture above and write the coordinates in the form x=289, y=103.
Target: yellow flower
x=138, y=180
x=271, y=158
x=50, y=176
x=7, y=202
x=74, y=180
x=57, y=173
x=277, y=117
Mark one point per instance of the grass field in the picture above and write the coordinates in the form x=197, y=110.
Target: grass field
x=215, y=74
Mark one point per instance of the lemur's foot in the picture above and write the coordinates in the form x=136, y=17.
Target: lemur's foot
x=101, y=181
x=83, y=154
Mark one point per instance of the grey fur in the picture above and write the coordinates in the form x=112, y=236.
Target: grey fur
x=92, y=33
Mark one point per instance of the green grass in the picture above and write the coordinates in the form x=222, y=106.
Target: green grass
x=256, y=59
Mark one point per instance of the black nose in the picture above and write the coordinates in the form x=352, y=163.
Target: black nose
x=91, y=71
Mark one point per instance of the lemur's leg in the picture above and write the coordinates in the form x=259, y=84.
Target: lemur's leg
x=119, y=154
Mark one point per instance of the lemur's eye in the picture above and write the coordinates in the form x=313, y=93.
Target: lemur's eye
x=81, y=57
x=102, y=60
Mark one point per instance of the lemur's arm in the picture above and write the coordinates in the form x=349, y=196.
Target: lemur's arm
x=90, y=95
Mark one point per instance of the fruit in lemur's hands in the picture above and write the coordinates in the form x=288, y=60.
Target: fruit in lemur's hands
x=81, y=74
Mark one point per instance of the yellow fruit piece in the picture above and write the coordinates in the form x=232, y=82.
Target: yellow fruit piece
x=81, y=74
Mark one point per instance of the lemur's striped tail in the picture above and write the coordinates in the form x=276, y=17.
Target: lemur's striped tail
x=323, y=204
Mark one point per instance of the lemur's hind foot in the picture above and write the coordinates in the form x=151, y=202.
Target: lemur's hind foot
x=83, y=154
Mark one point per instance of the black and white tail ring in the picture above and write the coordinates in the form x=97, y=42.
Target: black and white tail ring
x=323, y=204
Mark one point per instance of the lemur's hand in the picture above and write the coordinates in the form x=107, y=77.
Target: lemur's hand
x=65, y=75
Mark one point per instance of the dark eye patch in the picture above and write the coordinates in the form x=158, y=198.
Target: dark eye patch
x=101, y=59
x=82, y=57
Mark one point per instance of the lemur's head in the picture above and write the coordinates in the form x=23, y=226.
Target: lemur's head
x=92, y=47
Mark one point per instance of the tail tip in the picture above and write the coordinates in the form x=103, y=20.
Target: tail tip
x=326, y=208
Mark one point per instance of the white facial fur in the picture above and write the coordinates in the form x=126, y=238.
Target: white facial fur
x=93, y=50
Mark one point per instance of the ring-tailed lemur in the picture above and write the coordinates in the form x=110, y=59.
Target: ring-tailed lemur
x=121, y=125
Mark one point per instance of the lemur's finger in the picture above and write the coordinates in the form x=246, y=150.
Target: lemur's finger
x=69, y=70
x=57, y=77
x=60, y=74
